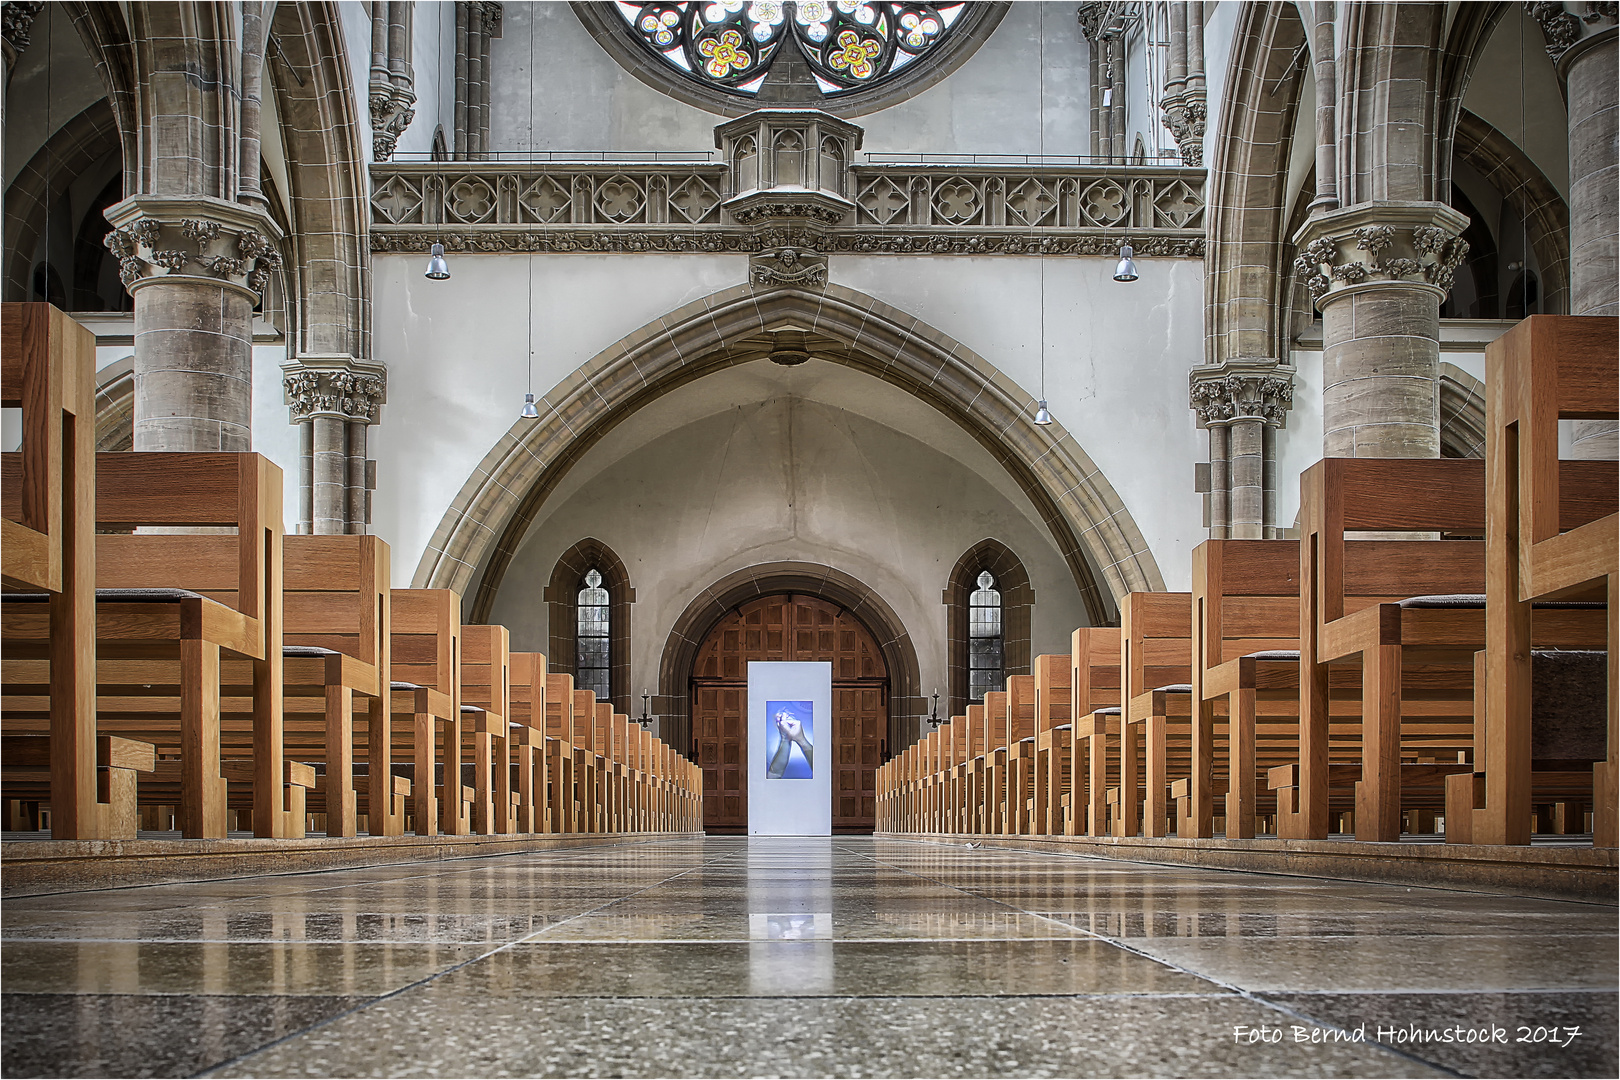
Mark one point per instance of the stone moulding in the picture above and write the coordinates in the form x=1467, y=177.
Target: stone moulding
x=498, y=241
x=925, y=209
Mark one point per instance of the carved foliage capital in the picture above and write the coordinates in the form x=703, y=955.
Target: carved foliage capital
x=155, y=246
x=1371, y=242
x=1565, y=24
x=1220, y=398
x=351, y=395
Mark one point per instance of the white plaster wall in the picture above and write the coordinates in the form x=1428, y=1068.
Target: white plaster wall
x=583, y=100
x=455, y=351
x=760, y=464
x=56, y=58
x=1117, y=357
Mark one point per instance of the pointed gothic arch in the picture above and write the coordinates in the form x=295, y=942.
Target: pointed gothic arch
x=487, y=520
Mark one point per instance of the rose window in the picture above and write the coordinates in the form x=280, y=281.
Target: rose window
x=731, y=44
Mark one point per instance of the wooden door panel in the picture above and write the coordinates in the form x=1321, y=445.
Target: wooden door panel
x=789, y=628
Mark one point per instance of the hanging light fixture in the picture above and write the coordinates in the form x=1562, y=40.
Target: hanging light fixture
x=438, y=269
x=529, y=412
x=1126, y=270
x=1043, y=416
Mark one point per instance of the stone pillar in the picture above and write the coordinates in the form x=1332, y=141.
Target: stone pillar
x=1246, y=450
x=329, y=504
x=1116, y=111
x=356, y=512
x=195, y=266
x=463, y=17
x=1581, y=41
x=1327, y=100
x=1378, y=271
x=1194, y=110
x=334, y=398
x=1220, y=481
x=1241, y=404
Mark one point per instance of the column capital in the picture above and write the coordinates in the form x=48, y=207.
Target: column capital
x=342, y=387
x=1570, y=27
x=1241, y=390
x=1373, y=243
x=16, y=25
x=193, y=238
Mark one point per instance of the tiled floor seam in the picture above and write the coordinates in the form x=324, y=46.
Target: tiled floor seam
x=447, y=971
x=1236, y=990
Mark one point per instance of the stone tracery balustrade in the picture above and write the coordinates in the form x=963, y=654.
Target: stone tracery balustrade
x=898, y=209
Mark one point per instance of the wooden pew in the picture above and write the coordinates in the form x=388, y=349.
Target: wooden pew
x=485, y=705
x=1245, y=603
x=1155, y=634
x=1094, y=680
x=426, y=694
x=1054, y=711
x=1410, y=611
x=533, y=755
x=336, y=645
x=168, y=606
x=1020, y=761
x=1551, y=533
x=47, y=370
x=571, y=782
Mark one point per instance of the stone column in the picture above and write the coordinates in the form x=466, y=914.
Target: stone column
x=1327, y=100
x=475, y=78
x=356, y=512
x=331, y=397
x=1581, y=41
x=1220, y=480
x=459, y=142
x=195, y=266
x=1194, y=110
x=1116, y=83
x=1241, y=404
x=1378, y=271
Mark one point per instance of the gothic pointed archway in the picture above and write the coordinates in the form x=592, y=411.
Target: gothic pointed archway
x=486, y=522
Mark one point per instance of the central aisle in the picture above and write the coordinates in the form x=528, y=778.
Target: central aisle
x=847, y=957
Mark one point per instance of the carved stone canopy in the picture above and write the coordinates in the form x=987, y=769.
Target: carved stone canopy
x=198, y=237
x=789, y=150
x=1380, y=243
x=342, y=387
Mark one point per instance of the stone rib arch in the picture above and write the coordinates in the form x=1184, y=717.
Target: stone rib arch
x=331, y=258
x=486, y=522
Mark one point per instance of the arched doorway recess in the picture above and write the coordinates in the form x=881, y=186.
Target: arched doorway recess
x=789, y=627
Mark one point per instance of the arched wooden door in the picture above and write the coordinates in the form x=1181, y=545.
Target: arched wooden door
x=789, y=627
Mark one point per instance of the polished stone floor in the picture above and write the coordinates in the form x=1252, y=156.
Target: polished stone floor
x=844, y=957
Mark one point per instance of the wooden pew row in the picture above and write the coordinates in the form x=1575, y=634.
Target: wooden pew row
x=47, y=543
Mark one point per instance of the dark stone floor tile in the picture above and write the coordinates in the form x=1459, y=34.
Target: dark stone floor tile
x=1591, y=1053
x=146, y=1035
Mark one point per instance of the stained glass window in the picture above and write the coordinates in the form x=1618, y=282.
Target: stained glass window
x=984, y=638
x=592, y=656
x=849, y=44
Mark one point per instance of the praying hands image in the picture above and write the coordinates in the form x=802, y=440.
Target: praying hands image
x=792, y=734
